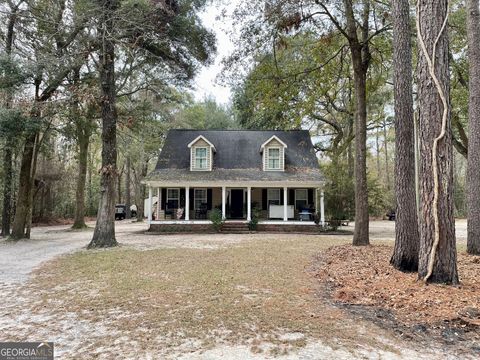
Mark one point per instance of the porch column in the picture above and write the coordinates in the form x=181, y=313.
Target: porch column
x=322, y=208
x=249, y=203
x=285, y=202
x=224, y=199
x=159, y=203
x=150, y=205
x=187, y=203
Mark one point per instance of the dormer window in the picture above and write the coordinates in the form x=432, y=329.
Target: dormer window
x=201, y=158
x=273, y=154
x=201, y=154
x=273, y=158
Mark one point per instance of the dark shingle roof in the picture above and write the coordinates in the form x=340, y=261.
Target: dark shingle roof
x=237, y=156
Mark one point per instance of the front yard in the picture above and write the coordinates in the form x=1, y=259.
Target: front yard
x=196, y=296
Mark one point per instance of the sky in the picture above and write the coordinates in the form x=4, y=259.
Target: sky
x=205, y=83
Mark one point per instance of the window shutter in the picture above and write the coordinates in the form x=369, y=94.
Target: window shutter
x=291, y=197
x=209, y=199
x=182, y=197
x=264, y=199
x=164, y=198
x=192, y=198
x=310, y=197
x=281, y=196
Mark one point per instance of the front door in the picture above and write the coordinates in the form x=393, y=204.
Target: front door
x=236, y=205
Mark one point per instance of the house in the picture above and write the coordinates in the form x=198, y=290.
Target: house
x=274, y=174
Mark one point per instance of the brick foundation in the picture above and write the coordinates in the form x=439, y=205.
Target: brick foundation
x=311, y=229
x=180, y=228
x=207, y=228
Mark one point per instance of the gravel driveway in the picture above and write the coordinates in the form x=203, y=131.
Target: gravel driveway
x=18, y=259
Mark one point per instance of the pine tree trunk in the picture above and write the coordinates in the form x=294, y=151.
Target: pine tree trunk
x=407, y=239
x=358, y=41
x=431, y=15
x=473, y=162
x=128, y=200
x=385, y=147
x=104, y=234
x=81, y=180
x=360, y=236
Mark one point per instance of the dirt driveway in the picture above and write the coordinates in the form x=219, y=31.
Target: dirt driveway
x=164, y=288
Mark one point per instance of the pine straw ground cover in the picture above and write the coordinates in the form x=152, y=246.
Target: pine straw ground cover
x=361, y=279
x=170, y=301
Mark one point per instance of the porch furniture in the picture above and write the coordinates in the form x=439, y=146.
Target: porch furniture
x=305, y=215
x=276, y=211
x=180, y=212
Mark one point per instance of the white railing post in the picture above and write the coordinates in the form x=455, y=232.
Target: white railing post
x=224, y=199
x=150, y=204
x=187, y=203
x=249, y=203
x=285, y=202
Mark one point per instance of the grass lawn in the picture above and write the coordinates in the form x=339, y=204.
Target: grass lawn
x=254, y=292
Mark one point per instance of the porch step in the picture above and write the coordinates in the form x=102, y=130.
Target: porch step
x=235, y=228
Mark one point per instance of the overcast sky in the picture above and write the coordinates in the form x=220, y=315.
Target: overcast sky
x=205, y=82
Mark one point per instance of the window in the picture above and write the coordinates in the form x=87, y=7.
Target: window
x=201, y=158
x=173, y=196
x=273, y=158
x=273, y=197
x=200, y=196
x=301, y=198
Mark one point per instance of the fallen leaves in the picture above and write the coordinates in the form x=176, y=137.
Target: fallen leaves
x=363, y=276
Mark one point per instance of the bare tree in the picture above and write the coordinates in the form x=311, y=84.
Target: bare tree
x=473, y=162
x=405, y=253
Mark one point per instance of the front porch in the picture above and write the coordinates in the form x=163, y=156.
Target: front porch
x=192, y=205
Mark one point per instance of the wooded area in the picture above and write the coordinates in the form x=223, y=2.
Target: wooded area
x=389, y=91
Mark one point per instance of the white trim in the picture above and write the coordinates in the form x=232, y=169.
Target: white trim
x=267, y=155
x=274, y=137
x=236, y=184
x=187, y=204
x=150, y=204
x=249, y=203
x=197, y=168
x=264, y=222
x=224, y=196
x=295, y=201
x=201, y=137
x=322, y=208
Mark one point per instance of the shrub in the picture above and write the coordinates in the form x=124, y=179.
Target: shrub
x=252, y=224
x=217, y=219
